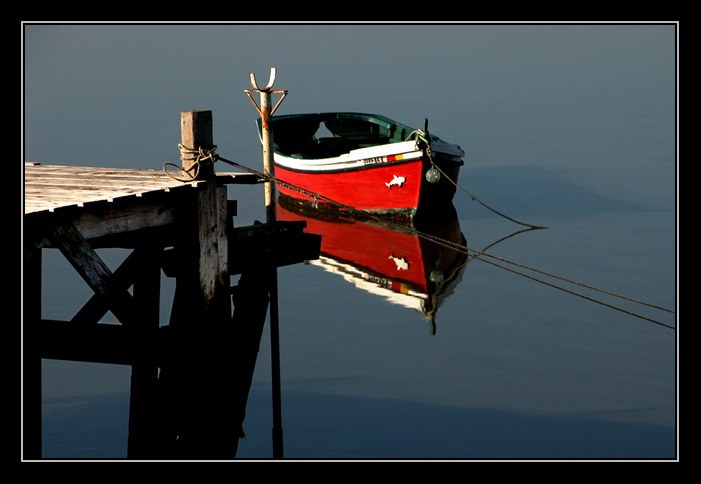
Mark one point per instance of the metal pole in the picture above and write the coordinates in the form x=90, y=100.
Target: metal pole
x=268, y=163
x=275, y=364
x=266, y=112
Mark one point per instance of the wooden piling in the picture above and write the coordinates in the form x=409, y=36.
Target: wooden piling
x=196, y=130
x=201, y=311
x=143, y=409
x=207, y=218
x=31, y=356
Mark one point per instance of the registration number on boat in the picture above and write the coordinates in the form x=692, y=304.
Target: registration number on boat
x=382, y=159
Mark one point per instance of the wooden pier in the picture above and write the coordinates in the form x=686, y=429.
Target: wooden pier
x=190, y=378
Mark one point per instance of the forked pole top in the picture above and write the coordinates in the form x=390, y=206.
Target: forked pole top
x=267, y=90
x=271, y=81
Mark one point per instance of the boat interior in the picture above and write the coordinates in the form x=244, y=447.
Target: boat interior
x=327, y=135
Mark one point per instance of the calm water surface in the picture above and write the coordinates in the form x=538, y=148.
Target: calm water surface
x=570, y=127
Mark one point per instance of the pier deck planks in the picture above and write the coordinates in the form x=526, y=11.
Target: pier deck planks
x=50, y=187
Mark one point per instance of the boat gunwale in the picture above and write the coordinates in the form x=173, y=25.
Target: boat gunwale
x=392, y=146
x=361, y=159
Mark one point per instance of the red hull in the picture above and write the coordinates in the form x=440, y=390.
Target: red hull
x=366, y=189
x=396, y=188
x=364, y=161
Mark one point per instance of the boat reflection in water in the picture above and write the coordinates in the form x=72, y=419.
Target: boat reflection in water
x=380, y=258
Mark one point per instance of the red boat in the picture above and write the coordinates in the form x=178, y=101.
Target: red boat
x=400, y=266
x=364, y=161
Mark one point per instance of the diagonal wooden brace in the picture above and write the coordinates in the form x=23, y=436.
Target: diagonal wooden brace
x=96, y=307
x=68, y=239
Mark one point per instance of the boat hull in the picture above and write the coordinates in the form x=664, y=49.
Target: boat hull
x=379, y=186
x=362, y=161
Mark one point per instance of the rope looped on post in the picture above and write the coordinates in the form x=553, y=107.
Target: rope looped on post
x=198, y=157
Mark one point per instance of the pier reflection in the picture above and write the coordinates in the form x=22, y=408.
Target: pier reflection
x=197, y=408
x=205, y=379
x=379, y=257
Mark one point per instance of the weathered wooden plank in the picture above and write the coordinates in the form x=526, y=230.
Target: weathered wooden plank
x=115, y=187
x=115, y=219
x=102, y=219
x=49, y=187
x=100, y=183
x=55, y=199
x=213, y=242
x=81, y=195
x=236, y=178
x=78, y=172
x=90, y=171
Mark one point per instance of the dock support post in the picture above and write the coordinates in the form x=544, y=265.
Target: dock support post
x=143, y=428
x=210, y=218
x=197, y=368
x=31, y=358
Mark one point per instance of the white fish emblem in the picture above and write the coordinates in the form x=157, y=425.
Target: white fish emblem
x=402, y=264
x=397, y=180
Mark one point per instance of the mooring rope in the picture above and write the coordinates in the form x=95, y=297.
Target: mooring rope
x=481, y=255
x=481, y=202
x=421, y=135
x=198, y=157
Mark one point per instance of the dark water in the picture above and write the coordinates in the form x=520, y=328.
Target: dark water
x=570, y=126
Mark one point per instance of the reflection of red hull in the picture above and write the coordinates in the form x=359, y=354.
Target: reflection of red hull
x=382, y=260
x=379, y=251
